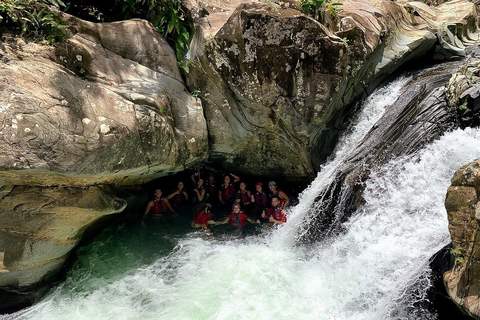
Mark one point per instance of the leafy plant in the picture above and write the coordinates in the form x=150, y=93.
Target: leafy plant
x=463, y=106
x=196, y=93
x=185, y=65
x=33, y=19
x=317, y=8
x=457, y=253
x=166, y=15
x=171, y=23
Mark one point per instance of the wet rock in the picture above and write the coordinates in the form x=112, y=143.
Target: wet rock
x=463, y=207
x=101, y=105
x=99, y=109
x=277, y=84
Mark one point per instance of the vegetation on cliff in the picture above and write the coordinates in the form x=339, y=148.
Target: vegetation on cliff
x=167, y=16
x=33, y=19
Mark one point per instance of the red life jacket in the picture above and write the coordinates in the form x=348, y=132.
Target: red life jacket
x=261, y=200
x=210, y=188
x=194, y=195
x=203, y=217
x=239, y=220
x=159, y=207
x=228, y=193
x=243, y=196
x=277, y=214
x=179, y=198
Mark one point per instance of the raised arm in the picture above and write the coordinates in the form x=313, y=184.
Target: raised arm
x=284, y=196
x=171, y=195
x=235, y=178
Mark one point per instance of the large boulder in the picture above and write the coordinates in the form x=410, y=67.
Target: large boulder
x=106, y=107
x=463, y=208
x=102, y=105
x=463, y=92
x=276, y=83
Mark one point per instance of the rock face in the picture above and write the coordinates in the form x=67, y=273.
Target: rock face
x=108, y=107
x=102, y=105
x=463, y=208
x=276, y=83
x=463, y=92
x=100, y=109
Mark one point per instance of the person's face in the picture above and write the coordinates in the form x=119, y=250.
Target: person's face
x=158, y=194
x=272, y=187
x=259, y=188
x=275, y=202
x=236, y=208
x=226, y=180
x=243, y=186
x=200, y=182
x=211, y=179
x=180, y=185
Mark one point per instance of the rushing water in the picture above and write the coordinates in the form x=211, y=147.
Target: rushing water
x=168, y=272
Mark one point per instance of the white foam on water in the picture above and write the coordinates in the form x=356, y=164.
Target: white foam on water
x=361, y=274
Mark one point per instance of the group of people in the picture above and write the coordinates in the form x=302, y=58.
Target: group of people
x=232, y=202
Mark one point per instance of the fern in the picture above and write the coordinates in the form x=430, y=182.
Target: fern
x=33, y=19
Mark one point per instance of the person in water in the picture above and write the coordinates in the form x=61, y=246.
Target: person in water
x=203, y=218
x=198, y=192
x=275, y=213
x=179, y=196
x=159, y=206
x=237, y=218
x=260, y=201
x=211, y=189
x=243, y=196
x=275, y=192
x=226, y=194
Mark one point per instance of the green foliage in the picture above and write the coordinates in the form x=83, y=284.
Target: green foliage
x=33, y=19
x=196, y=93
x=463, y=106
x=167, y=16
x=171, y=23
x=185, y=65
x=317, y=8
x=457, y=253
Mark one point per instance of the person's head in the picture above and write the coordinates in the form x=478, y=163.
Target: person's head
x=272, y=185
x=243, y=186
x=226, y=179
x=200, y=182
x=180, y=185
x=259, y=187
x=157, y=193
x=236, y=207
x=275, y=201
x=206, y=206
x=211, y=178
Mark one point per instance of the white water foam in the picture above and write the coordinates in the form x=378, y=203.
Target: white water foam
x=361, y=274
x=371, y=110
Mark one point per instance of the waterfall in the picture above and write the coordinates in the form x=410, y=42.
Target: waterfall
x=316, y=195
x=364, y=272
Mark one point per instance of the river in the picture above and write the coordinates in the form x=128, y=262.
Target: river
x=157, y=271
